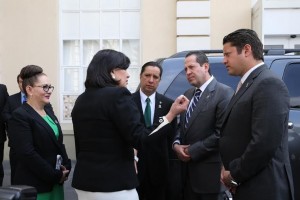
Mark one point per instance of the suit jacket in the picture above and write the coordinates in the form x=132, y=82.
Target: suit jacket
x=254, y=145
x=202, y=134
x=154, y=157
x=36, y=149
x=106, y=129
x=3, y=98
x=13, y=102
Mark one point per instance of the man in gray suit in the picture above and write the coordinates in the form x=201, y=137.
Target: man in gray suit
x=254, y=136
x=197, y=140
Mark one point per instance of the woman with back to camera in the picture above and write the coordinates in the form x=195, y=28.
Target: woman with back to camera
x=107, y=127
x=37, y=139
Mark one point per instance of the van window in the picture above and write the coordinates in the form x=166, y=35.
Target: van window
x=218, y=70
x=291, y=79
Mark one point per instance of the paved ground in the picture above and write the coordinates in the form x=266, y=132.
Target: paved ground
x=70, y=193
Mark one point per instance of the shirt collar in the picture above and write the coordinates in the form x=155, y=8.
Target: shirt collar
x=203, y=87
x=144, y=97
x=249, y=72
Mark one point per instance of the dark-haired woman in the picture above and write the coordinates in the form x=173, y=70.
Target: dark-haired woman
x=106, y=128
x=37, y=139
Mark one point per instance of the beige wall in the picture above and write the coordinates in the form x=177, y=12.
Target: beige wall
x=158, y=29
x=29, y=35
x=227, y=16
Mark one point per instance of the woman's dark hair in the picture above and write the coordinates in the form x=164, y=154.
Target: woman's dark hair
x=101, y=66
x=241, y=37
x=29, y=74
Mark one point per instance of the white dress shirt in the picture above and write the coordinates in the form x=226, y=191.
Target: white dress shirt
x=152, y=103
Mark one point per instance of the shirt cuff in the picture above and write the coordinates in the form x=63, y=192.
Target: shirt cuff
x=163, y=121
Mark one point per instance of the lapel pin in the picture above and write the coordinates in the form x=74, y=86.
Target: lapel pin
x=159, y=105
x=161, y=120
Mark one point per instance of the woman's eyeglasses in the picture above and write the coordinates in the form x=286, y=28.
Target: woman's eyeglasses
x=46, y=88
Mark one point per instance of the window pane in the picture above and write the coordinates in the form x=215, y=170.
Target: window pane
x=110, y=23
x=132, y=49
x=68, y=101
x=90, y=25
x=109, y=4
x=89, y=4
x=111, y=44
x=130, y=25
x=291, y=79
x=134, y=79
x=84, y=75
x=71, y=80
x=71, y=52
x=130, y=4
x=70, y=25
x=70, y=4
x=90, y=48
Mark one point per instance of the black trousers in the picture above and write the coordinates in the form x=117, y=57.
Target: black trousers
x=1, y=165
x=149, y=191
x=13, y=163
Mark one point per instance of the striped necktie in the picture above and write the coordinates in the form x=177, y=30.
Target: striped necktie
x=24, y=99
x=192, y=106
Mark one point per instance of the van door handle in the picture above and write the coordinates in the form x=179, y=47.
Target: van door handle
x=290, y=125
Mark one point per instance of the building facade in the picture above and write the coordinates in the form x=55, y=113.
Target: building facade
x=61, y=36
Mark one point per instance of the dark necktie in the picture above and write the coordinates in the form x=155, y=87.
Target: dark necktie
x=147, y=113
x=192, y=106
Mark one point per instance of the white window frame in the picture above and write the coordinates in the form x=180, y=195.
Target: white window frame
x=82, y=66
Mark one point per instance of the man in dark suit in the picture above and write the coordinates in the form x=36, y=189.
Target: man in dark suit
x=3, y=98
x=197, y=140
x=254, y=136
x=154, y=157
x=13, y=101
